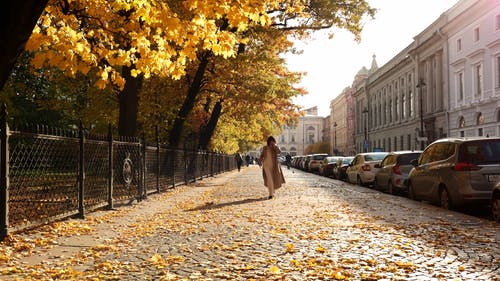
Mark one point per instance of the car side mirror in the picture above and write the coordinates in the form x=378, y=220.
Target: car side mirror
x=414, y=162
x=377, y=166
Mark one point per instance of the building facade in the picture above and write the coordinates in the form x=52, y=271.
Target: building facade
x=445, y=83
x=309, y=130
x=473, y=34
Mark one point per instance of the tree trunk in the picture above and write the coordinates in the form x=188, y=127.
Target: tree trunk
x=208, y=130
x=189, y=102
x=129, y=104
x=17, y=20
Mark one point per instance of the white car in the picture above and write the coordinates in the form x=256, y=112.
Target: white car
x=362, y=168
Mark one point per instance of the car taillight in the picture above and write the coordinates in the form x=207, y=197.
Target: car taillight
x=396, y=170
x=366, y=167
x=464, y=166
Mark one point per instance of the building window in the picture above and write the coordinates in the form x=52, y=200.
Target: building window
x=498, y=71
x=459, y=45
x=461, y=122
x=396, y=105
x=409, y=142
x=390, y=111
x=476, y=34
x=403, y=111
x=478, y=79
x=460, y=86
x=412, y=104
x=480, y=119
x=480, y=122
x=498, y=120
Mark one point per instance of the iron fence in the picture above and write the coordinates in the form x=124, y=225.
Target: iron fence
x=49, y=174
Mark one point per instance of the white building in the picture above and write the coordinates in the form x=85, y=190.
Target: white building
x=308, y=130
x=473, y=33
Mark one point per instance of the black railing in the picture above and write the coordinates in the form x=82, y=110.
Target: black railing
x=46, y=175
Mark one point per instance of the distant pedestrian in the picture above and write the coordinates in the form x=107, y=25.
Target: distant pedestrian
x=239, y=160
x=288, y=159
x=247, y=159
x=271, y=170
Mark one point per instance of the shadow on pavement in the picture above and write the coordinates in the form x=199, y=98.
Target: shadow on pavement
x=211, y=205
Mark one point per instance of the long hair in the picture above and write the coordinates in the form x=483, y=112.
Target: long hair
x=270, y=139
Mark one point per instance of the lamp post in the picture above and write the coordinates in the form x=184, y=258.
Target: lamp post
x=422, y=138
x=335, y=138
x=365, y=142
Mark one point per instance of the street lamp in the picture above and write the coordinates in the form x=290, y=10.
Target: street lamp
x=365, y=142
x=335, y=138
x=422, y=138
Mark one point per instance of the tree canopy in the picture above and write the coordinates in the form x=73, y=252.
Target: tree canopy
x=244, y=80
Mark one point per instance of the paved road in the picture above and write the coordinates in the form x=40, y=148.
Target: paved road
x=223, y=228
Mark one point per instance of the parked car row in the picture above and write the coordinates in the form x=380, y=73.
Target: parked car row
x=452, y=172
x=323, y=164
x=309, y=163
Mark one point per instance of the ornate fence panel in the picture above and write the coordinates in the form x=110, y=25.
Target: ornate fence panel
x=43, y=178
x=127, y=183
x=50, y=174
x=97, y=171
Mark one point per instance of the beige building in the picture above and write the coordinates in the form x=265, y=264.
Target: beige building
x=309, y=130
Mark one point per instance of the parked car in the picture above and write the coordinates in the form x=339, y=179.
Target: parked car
x=392, y=175
x=314, y=161
x=362, y=168
x=495, y=202
x=339, y=171
x=456, y=172
x=327, y=165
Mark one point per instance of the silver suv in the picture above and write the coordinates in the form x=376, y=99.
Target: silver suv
x=394, y=170
x=456, y=172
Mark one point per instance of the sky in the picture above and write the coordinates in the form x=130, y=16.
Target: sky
x=331, y=64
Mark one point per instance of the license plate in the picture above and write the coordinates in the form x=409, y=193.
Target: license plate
x=493, y=178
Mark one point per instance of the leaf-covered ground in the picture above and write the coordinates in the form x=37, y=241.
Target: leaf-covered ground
x=223, y=228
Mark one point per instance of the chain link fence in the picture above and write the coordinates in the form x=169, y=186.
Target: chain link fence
x=49, y=174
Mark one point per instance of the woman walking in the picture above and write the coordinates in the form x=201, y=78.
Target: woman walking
x=271, y=170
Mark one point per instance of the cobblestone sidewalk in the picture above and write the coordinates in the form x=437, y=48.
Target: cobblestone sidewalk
x=223, y=228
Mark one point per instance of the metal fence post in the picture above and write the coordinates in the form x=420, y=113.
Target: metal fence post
x=110, y=167
x=172, y=166
x=4, y=177
x=185, y=166
x=157, y=160
x=81, y=174
x=144, y=189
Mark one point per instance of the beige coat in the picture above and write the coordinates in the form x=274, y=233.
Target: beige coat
x=269, y=161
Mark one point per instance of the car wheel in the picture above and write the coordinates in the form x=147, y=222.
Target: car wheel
x=411, y=191
x=495, y=207
x=390, y=187
x=444, y=199
x=358, y=181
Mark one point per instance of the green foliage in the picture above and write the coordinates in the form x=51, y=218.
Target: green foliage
x=47, y=97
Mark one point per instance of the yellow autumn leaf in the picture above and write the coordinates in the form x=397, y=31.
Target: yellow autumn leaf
x=295, y=263
x=156, y=258
x=320, y=249
x=275, y=270
x=106, y=266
